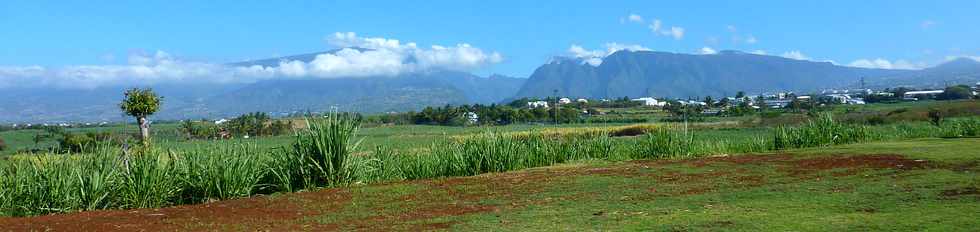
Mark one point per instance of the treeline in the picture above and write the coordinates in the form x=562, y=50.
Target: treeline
x=955, y=92
x=478, y=114
x=516, y=111
x=74, y=142
x=250, y=124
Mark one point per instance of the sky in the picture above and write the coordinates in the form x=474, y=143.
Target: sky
x=86, y=43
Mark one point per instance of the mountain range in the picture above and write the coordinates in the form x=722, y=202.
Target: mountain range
x=623, y=73
x=662, y=74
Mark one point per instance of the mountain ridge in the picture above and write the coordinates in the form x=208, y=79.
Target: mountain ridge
x=678, y=75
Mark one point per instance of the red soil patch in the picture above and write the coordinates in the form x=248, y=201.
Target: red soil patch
x=851, y=165
x=258, y=213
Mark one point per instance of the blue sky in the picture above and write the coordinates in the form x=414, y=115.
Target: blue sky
x=524, y=33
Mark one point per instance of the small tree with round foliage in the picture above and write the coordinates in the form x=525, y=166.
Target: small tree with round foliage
x=141, y=103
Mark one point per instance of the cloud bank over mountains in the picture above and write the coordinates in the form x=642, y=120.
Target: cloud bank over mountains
x=594, y=57
x=375, y=57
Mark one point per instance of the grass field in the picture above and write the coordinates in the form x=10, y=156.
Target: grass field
x=790, y=171
x=411, y=137
x=924, y=184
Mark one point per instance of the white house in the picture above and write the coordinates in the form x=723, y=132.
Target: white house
x=649, y=101
x=846, y=99
x=564, y=100
x=472, y=117
x=537, y=104
x=220, y=121
x=582, y=100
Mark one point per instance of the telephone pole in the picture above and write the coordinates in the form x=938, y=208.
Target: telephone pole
x=556, y=107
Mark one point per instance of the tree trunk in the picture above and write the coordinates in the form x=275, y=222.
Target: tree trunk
x=144, y=131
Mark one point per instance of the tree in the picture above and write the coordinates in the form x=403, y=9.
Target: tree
x=3, y=145
x=708, y=100
x=956, y=92
x=761, y=101
x=724, y=102
x=141, y=103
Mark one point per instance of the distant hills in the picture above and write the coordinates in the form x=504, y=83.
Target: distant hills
x=410, y=91
x=958, y=71
x=662, y=74
x=370, y=95
x=624, y=73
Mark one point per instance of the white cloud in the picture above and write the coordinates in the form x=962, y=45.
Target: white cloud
x=951, y=58
x=927, y=24
x=594, y=57
x=676, y=32
x=759, y=52
x=142, y=69
x=751, y=40
x=796, y=55
x=886, y=64
x=635, y=18
x=656, y=25
x=707, y=51
x=385, y=57
x=731, y=28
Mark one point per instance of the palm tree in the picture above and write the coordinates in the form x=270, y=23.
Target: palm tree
x=141, y=103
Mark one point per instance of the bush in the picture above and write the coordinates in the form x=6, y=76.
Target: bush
x=3, y=145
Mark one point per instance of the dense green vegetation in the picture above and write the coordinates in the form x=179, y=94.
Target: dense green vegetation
x=251, y=124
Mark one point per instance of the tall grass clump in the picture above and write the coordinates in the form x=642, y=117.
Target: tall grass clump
x=499, y=152
x=384, y=165
x=320, y=156
x=821, y=131
x=149, y=179
x=222, y=172
x=663, y=143
x=57, y=183
x=969, y=127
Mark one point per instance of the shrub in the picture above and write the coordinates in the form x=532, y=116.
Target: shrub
x=3, y=145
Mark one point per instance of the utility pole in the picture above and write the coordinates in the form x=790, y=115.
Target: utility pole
x=556, y=107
